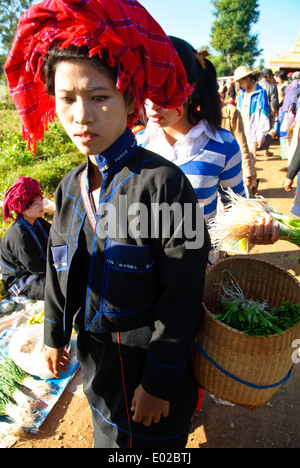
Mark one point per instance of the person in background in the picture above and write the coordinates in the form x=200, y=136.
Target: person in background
x=282, y=83
x=252, y=102
x=24, y=245
x=295, y=132
x=267, y=82
x=223, y=90
x=292, y=172
x=232, y=92
x=289, y=105
x=192, y=138
x=232, y=121
x=134, y=294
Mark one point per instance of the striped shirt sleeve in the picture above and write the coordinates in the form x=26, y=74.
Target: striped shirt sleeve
x=231, y=175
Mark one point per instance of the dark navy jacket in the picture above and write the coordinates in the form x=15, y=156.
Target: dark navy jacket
x=23, y=257
x=133, y=281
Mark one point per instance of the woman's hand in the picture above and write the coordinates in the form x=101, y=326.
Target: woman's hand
x=57, y=360
x=288, y=184
x=147, y=408
x=265, y=231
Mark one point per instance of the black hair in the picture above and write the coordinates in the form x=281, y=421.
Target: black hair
x=72, y=53
x=253, y=77
x=204, y=102
x=266, y=72
x=282, y=74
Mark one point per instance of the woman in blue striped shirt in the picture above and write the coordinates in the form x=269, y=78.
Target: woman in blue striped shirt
x=192, y=138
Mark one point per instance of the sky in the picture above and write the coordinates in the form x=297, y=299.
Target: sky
x=278, y=27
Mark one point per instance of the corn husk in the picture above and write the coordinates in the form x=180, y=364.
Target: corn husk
x=234, y=221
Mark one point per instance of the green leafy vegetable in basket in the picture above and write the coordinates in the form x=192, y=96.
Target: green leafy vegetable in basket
x=287, y=315
x=253, y=317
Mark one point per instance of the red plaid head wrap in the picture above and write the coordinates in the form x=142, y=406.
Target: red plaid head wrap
x=121, y=29
x=24, y=190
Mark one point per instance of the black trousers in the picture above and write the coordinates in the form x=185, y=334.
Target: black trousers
x=110, y=391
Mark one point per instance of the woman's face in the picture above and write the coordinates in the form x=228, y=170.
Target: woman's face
x=244, y=83
x=166, y=118
x=90, y=107
x=36, y=209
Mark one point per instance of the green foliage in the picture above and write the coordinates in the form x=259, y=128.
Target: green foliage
x=56, y=156
x=231, y=32
x=221, y=65
x=2, y=63
x=10, y=13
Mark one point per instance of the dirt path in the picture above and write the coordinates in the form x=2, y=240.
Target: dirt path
x=274, y=425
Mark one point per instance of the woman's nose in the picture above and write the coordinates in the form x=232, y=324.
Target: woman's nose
x=151, y=106
x=82, y=112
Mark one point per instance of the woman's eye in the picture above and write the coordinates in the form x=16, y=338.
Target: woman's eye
x=66, y=99
x=99, y=98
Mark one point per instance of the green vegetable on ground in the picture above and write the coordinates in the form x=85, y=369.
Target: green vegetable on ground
x=21, y=417
x=10, y=370
x=14, y=391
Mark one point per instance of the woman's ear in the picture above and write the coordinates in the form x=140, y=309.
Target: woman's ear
x=130, y=103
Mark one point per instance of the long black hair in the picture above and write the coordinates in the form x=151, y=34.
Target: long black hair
x=204, y=102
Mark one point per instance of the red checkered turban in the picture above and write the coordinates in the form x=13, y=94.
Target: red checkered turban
x=23, y=191
x=121, y=29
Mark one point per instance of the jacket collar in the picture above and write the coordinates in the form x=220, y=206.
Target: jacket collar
x=117, y=153
x=195, y=132
x=256, y=91
x=204, y=127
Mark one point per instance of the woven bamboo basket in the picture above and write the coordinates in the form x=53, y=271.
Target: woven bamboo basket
x=260, y=364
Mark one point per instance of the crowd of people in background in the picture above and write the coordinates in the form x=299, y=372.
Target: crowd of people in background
x=268, y=104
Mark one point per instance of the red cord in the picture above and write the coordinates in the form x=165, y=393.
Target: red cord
x=200, y=399
x=124, y=388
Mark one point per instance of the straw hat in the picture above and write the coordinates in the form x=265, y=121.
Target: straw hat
x=241, y=72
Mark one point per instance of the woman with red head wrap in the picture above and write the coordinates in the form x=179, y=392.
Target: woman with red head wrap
x=23, y=247
x=132, y=291
x=121, y=31
x=20, y=196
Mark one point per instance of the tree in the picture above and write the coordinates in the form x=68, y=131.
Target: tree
x=10, y=13
x=231, y=32
x=218, y=61
x=221, y=66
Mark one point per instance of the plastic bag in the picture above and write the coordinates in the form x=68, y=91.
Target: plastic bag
x=26, y=350
x=7, y=306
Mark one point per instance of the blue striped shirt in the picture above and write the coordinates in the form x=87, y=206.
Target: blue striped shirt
x=212, y=161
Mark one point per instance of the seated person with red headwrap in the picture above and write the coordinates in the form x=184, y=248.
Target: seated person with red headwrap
x=24, y=246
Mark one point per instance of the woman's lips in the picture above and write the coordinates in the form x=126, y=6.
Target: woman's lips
x=156, y=118
x=85, y=137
